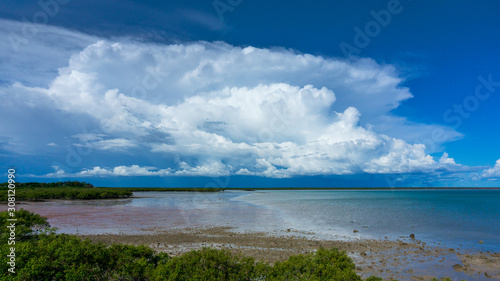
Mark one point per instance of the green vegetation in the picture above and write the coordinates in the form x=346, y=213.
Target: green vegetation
x=28, y=225
x=61, y=190
x=322, y=265
x=213, y=264
x=210, y=264
x=47, y=256
x=66, y=193
x=67, y=257
x=172, y=189
x=59, y=184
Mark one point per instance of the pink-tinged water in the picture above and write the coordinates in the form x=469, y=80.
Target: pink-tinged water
x=147, y=212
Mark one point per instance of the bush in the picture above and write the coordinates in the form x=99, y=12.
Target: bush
x=67, y=257
x=133, y=262
x=28, y=225
x=325, y=264
x=210, y=264
x=62, y=257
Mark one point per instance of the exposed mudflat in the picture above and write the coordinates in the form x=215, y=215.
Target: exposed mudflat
x=403, y=259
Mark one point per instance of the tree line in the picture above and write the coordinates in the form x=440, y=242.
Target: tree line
x=74, y=183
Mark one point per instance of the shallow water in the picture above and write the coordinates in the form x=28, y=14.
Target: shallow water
x=454, y=218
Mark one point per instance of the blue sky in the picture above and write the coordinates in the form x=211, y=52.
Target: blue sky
x=251, y=93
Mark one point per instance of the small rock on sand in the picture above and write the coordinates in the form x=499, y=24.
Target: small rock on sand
x=458, y=267
x=355, y=231
x=412, y=236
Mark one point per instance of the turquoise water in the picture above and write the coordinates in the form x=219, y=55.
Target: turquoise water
x=454, y=218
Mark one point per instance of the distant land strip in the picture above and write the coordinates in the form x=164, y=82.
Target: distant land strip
x=75, y=190
x=214, y=189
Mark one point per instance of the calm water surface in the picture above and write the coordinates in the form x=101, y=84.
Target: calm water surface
x=450, y=217
x=454, y=218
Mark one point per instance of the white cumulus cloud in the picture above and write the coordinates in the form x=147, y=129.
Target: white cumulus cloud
x=214, y=109
x=492, y=173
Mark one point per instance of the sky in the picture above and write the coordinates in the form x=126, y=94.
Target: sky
x=238, y=93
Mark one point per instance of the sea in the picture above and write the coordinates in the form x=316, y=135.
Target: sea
x=454, y=218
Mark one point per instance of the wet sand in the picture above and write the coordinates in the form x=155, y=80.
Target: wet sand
x=403, y=259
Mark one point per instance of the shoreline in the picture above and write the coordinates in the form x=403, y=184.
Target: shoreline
x=199, y=189
x=217, y=190
x=402, y=259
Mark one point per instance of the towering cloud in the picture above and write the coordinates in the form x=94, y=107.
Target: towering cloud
x=216, y=109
